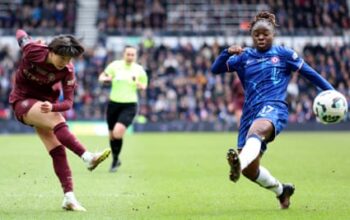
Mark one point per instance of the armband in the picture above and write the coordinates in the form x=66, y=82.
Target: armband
x=24, y=41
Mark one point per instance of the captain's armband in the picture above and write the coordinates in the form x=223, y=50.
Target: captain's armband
x=24, y=41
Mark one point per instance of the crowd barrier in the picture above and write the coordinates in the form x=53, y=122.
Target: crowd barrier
x=100, y=128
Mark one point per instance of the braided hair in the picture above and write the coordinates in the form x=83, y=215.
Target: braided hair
x=264, y=16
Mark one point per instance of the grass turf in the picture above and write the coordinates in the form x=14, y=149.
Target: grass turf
x=178, y=176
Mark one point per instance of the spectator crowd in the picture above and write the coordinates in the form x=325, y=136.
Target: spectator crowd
x=295, y=17
x=40, y=17
x=181, y=86
x=123, y=16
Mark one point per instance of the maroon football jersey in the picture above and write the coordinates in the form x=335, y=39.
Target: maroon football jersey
x=40, y=80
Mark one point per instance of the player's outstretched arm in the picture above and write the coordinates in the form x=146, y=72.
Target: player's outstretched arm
x=315, y=78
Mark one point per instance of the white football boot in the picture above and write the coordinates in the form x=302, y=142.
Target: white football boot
x=92, y=160
x=70, y=203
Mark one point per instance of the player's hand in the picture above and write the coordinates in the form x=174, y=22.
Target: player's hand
x=138, y=84
x=105, y=78
x=46, y=107
x=235, y=49
x=40, y=41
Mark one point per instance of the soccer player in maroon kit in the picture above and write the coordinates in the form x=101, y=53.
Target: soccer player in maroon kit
x=236, y=105
x=43, y=70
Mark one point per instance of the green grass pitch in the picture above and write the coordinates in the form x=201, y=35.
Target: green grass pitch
x=179, y=176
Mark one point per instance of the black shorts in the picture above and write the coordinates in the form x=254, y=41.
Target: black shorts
x=123, y=113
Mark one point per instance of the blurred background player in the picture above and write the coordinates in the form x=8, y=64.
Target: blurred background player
x=34, y=98
x=126, y=78
x=265, y=71
x=237, y=100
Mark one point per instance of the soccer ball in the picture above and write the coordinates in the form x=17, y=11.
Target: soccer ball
x=330, y=107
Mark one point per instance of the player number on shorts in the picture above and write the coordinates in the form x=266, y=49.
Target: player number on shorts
x=266, y=109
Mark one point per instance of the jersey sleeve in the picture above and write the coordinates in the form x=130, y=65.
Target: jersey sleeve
x=110, y=69
x=226, y=62
x=220, y=63
x=314, y=77
x=233, y=62
x=143, y=79
x=294, y=61
x=68, y=86
x=34, y=52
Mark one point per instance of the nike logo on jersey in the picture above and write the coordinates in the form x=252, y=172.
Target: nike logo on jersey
x=262, y=60
x=273, y=60
x=250, y=61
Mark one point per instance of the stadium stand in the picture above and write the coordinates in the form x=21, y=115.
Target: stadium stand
x=181, y=88
x=38, y=17
x=217, y=17
x=125, y=17
x=189, y=91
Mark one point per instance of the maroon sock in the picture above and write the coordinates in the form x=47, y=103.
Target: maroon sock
x=61, y=167
x=68, y=139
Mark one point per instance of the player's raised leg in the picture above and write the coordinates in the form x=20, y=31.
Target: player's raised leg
x=55, y=122
x=238, y=162
x=260, y=132
x=92, y=160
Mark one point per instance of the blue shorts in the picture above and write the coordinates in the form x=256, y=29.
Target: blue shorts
x=275, y=112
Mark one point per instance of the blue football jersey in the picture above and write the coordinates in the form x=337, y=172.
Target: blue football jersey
x=265, y=75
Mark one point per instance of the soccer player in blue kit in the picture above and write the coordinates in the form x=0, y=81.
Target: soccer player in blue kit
x=264, y=70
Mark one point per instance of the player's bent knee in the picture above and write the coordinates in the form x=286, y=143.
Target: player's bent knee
x=118, y=131
x=117, y=134
x=262, y=129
